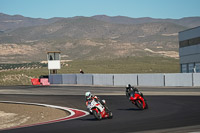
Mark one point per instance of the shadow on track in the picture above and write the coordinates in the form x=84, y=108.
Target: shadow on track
x=131, y=109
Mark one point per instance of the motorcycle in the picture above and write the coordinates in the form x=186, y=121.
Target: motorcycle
x=99, y=110
x=138, y=100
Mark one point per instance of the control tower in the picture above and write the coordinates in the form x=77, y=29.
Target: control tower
x=53, y=58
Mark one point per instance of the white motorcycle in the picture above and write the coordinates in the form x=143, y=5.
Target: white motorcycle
x=98, y=110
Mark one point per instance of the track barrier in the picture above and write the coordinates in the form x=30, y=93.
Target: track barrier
x=157, y=79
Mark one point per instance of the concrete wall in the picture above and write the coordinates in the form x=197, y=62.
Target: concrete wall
x=85, y=79
x=103, y=79
x=55, y=79
x=174, y=79
x=178, y=79
x=150, y=79
x=69, y=78
x=124, y=79
x=196, y=79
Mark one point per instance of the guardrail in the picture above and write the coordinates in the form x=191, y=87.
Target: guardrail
x=158, y=79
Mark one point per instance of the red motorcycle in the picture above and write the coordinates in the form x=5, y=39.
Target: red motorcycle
x=138, y=100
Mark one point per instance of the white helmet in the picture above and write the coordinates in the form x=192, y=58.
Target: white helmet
x=104, y=101
x=88, y=95
x=128, y=86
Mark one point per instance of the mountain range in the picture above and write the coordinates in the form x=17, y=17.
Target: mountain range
x=24, y=39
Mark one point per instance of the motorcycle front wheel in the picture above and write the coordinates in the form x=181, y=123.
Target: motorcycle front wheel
x=97, y=115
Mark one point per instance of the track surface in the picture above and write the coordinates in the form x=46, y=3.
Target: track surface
x=164, y=112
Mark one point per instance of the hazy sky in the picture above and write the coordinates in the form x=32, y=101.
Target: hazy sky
x=131, y=8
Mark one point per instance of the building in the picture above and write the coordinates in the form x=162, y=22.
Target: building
x=189, y=50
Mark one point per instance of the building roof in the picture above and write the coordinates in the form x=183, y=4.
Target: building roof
x=190, y=29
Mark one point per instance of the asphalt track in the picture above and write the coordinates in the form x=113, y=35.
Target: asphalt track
x=165, y=112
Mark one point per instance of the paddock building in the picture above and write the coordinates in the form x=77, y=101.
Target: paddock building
x=189, y=50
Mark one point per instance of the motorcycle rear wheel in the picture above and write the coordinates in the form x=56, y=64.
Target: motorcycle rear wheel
x=110, y=115
x=139, y=104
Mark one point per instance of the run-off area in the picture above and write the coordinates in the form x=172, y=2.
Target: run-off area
x=13, y=115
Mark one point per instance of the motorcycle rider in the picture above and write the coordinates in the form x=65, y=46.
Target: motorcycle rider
x=89, y=97
x=131, y=90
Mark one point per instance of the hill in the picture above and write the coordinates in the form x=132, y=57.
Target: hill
x=11, y=22
x=97, y=37
x=189, y=22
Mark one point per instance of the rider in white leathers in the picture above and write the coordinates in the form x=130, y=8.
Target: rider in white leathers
x=89, y=97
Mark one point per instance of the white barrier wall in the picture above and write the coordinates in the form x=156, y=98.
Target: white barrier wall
x=56, y=79
x=103, y=79
x=69, y=79
x=85, y=79
x=196, y=79
x=150, y=80
x=173, y=79
x=178, y=79
x=124, y=79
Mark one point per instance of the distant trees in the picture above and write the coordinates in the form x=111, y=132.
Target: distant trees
x=22, y=66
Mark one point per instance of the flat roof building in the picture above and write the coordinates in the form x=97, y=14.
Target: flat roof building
x=189, y=50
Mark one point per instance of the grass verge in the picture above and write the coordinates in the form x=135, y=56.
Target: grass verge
x=119, y=65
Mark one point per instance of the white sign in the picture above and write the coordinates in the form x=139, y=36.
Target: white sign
x=53, y=64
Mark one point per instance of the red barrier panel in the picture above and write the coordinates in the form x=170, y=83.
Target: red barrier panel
x=35, y=81
x=44, y=81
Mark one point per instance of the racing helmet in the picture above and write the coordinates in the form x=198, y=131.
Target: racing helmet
x=104, y=101
x=128, y=86
x=88, y=95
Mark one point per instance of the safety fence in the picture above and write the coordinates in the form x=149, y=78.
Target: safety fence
x=160, y=79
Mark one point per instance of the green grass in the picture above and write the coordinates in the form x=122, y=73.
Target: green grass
x=124, y=65
x=120, y=65
x=21, y=77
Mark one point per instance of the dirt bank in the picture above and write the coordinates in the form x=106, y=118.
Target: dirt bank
x=19, y=114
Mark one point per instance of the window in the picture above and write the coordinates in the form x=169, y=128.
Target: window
x=53, y=56
x=183, y=43
x=190, y=42
x=194, y=41
x=197, y=65
x=184, y=68
x=191, y=67
x=57, y=56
